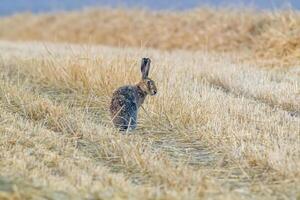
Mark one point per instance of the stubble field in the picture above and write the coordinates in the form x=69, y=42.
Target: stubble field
x=224, y=125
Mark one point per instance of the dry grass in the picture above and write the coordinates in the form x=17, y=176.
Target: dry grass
x=270, y=37
x=217, y=129
x=220, y=127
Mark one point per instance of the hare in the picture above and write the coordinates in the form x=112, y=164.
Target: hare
x=126, y=100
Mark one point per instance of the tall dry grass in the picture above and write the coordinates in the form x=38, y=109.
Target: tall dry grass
x=217, y=129
x=269, y=35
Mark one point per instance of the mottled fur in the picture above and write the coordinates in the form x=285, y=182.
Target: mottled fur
x=126, y=100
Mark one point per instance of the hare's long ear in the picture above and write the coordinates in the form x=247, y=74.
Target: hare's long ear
x=145, y=67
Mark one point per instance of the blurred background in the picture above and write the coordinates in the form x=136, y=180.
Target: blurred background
x=246, y=30
x=9, y=7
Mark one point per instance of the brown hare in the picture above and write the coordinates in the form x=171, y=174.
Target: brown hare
x=126, y=100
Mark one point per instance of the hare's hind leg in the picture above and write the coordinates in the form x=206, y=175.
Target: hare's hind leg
x=125, y=121
x=120, y=122
x=126, y=124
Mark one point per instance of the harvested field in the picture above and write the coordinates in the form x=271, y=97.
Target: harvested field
x=221, y=127
x=209, y=136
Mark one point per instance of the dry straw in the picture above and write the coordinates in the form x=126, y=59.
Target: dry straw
x=215, y=129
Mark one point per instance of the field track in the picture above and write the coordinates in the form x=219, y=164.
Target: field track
x=218, y=129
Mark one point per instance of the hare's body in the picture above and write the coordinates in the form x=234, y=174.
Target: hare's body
x=124, y=106
x=127, y=99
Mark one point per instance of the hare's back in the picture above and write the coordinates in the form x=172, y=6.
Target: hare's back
x=127, y=93
x=124, y=97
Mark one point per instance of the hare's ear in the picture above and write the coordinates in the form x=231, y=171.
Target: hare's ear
x=145, y=67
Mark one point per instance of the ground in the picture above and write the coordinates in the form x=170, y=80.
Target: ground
x=218, y=128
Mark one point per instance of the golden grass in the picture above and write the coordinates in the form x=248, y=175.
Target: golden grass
x=217, y=129
x=271, y=36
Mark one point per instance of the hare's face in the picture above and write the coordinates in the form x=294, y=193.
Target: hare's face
x=149, y=86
